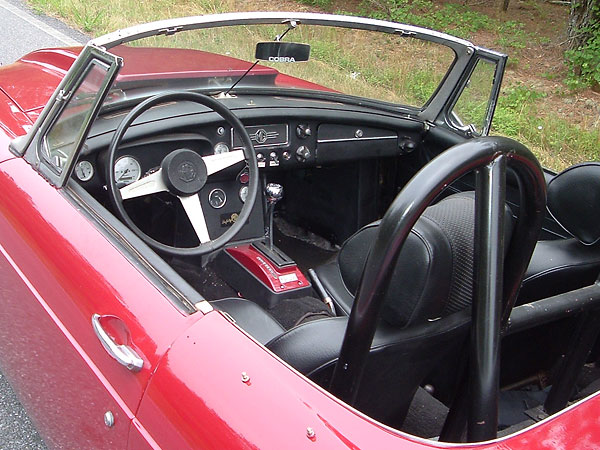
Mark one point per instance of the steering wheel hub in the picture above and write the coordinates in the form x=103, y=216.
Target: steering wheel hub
x=184, y=172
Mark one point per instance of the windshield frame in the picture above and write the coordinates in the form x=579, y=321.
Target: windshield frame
x=464, y=50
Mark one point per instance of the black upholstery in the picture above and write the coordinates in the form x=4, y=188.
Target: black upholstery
x=250, y=317
x=574, y=201
x=561, y=265
x=398, y=361
x=434, y=272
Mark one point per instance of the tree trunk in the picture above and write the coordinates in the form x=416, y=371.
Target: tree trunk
x=581, y=16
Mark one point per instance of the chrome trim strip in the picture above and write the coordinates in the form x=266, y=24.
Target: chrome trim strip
x=374, y=138
x=171, y=26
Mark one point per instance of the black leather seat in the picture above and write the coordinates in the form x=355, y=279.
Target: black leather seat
x=559, y=266
x=425, y=317
x=434, y=273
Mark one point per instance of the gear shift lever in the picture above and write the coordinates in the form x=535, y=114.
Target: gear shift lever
x=273, y=193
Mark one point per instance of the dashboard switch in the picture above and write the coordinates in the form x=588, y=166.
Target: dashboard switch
x=273, y=159
x=286, y=156
x=302, y=153
x=260, y=159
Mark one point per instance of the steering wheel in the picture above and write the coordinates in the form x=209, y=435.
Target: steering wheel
x=497, y=277
x=183, y=173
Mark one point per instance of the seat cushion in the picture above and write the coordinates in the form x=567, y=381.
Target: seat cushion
x=250, y=317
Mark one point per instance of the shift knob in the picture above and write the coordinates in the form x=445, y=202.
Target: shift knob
x=274, y=193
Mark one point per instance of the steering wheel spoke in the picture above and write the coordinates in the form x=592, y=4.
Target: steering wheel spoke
x=193, y=209
x=150, y=184
x=216, y=163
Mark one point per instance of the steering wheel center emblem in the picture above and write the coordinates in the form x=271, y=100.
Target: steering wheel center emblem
x=186, y=172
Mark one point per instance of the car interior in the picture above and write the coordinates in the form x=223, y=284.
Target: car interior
x=275, y=208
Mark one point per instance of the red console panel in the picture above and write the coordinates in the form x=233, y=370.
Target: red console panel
x=278, y=279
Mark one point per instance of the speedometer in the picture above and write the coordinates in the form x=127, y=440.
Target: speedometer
x=127, y=170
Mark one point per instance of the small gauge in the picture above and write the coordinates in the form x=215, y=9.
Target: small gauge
x=217, y=198
x=243, y=193
x=127, y=170
x=84, y=170
x=221, y=147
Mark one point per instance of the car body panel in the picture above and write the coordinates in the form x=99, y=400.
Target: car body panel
x=203, y=402
x=70, y=271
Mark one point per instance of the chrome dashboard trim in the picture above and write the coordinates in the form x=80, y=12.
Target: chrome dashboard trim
x=354, y=139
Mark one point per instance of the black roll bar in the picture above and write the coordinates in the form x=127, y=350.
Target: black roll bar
x=395, y=226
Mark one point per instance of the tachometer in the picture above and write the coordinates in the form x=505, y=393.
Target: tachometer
x=127, y=170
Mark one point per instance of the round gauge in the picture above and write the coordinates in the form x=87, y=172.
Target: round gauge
x=243, y=193
x=127, y=170
x=84, y=171
x=220, y=148
x=217, y=198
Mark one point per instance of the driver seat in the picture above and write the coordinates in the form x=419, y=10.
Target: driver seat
x=425, y=318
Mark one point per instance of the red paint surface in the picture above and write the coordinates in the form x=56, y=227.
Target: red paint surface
x=56, y=270
x=44, y=69
x=210, y=407
x=266, y=271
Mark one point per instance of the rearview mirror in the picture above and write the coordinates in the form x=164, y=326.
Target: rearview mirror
x=282, y=51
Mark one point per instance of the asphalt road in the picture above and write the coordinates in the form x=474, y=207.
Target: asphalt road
x=21, y=31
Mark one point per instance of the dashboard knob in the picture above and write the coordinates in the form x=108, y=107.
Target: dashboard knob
x=303, y=131
x=302, y=153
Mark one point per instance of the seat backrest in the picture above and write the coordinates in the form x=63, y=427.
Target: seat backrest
x=561, y=265
x=574, y=201
x=433, y=276
x=425, y=318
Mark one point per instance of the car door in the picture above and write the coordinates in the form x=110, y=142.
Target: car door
x=72, y=303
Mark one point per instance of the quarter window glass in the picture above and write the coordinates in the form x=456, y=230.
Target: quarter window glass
x=470, y=111
x=62, y=138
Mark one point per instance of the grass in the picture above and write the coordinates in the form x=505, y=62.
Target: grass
x=521, y=112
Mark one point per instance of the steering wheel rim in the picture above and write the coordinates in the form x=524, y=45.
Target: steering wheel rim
x=184, y=175
x=493, y=154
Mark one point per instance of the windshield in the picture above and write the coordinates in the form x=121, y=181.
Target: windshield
x=381, y=66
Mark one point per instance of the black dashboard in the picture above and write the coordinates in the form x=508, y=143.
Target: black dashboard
x=287, y=134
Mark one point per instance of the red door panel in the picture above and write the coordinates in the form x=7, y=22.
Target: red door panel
x=69, y=272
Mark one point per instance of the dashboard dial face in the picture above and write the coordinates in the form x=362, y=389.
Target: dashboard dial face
x=127, y=170
x=243, y=193
x=84, y=170
x=217, y=198
x=220, y=148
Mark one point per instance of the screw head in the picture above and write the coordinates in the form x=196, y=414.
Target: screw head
x=310, y=433
x=109, y=419
x=245, y=377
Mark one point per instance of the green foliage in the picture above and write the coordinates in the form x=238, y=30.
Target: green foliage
x=584, y=61
x=512, y=34
x=455, y=19
x=318, y=3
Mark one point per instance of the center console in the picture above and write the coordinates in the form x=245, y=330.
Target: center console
x=262, y=273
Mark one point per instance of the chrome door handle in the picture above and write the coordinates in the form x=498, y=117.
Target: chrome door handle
x=125, y=355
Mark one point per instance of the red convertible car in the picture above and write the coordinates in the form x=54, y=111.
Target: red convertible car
x=289, y=230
